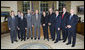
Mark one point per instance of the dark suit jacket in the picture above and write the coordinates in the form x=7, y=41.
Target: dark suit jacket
x=22, y=23
x=57, y=21
x=12, y=23
x=33, y=16
x=18, y=18
x=51, y=19
x=64, y=20
x=44, y=20
x=73, y=22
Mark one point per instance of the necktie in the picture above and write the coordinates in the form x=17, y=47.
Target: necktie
x=13, y=18
x=62, y=16
x=28, y=16
x=36, y=16
x=22, y=18
x=56, y=16
x=18, y=15
x=70, y=17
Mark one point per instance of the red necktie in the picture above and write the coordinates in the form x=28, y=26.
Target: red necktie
x=62, y=16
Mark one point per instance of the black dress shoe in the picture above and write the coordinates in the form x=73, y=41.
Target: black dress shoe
x=68, y=43
x=27, y=38
x=31, y=37
x=16, y=40
x=64, y=41
x=55, y=41
x=12, y=42
x=72, y=45
x=38, y=38
x=52, y=39
x=19, y=37
x=21, y=40
x=24, y=40
x=35, y=38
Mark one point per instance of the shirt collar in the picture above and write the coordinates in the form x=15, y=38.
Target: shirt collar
x=57, y=15
x=28, y=14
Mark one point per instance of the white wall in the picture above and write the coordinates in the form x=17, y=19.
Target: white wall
x=11, y=4
x=74, y=5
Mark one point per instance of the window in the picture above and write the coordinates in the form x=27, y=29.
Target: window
x=61, y=5
x=26, y=5
x=44, y=6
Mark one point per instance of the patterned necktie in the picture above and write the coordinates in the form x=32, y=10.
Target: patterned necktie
x=36, y=16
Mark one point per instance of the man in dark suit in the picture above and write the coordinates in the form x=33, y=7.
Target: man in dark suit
x=18, y=18
x=64, y=18
x=32, y=12
x=51, y=23
x=28, y=17
x=57, y=25
x=44, y=21
x=22, y=26
x=71, y=25
x=12, y=25
x=37, y=24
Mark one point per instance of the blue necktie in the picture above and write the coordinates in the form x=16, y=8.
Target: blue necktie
x=56, y=16
x=28, y=16
x=70, y=17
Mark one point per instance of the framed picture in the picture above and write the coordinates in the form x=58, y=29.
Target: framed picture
x=80, y=10
x=4, y=13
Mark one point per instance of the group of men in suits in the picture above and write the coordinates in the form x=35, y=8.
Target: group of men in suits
x=55, y=21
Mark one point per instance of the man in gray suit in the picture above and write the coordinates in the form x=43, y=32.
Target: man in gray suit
x=28, y=17
x=37, y=24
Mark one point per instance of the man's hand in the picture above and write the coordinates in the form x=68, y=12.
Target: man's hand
x=43, y=24
x=69, y=26
x=32, y=25
x=18, y=28
x=25, y=28
x=49, y=23
x=58, y=28
x=9, y=28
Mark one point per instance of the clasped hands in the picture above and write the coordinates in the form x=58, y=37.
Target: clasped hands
x=68, y=26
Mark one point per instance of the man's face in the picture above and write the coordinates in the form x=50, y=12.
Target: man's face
x=64, y=9
x=36, y=11
x=44, y=13
x=57, y=12
x=12, y=13
x=21, y=14
x=28, y=11
x=18, y=13
x=71, y=11
x=50, y=10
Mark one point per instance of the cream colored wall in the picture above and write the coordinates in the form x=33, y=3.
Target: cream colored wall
x=11, y=4
x=74, y=5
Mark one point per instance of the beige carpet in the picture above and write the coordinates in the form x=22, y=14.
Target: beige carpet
x=6, y=43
